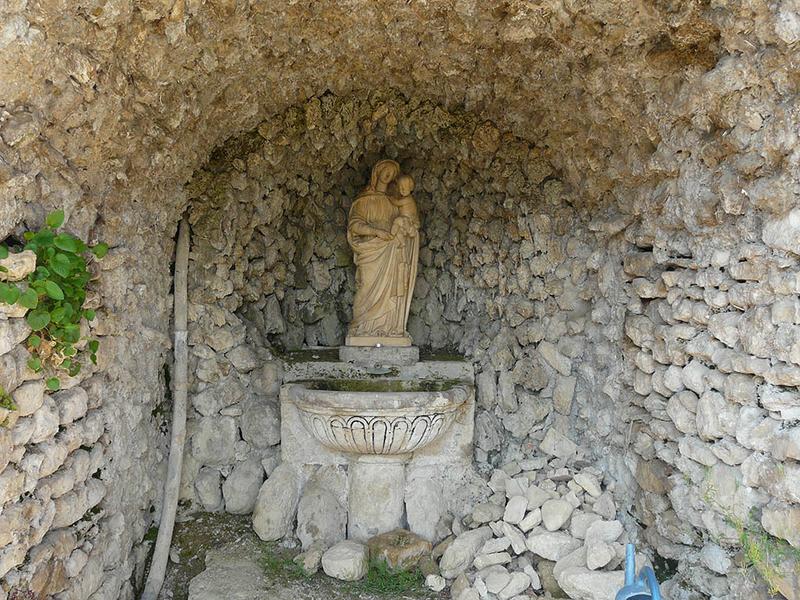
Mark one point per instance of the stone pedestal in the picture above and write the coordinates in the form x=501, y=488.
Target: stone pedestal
x=379, y=356
x=420, y=490
x=376, y=496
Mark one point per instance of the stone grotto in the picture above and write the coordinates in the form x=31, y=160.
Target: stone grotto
x=581, y=331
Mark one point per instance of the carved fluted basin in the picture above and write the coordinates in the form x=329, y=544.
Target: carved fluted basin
x=379, y=417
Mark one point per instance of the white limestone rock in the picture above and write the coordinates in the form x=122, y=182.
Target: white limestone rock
x=538, y=496
x=783, y=233
x=604, y=531
x=232, y=573
x=495, y=545
x=45, y=421
x=320, y=517
x=515, y=536
x=207, y=485
x=214, y=441
x=241, y=487
x=518, y=584
x=424, y=502
x=488, y=560
x=580, y=583
x=598, y=555
x=563, y=394
x=605, y=506
x=243, y=358
x=72, y=404
x=554, y=358
x=557, y=444
x=716, y=559
x=496, y=578
x=487, y=512
x=17, y=265
x=515, y=510
x=461, y=552
x=556, y=513
x=347, y=561
x=217, y=396
x=580, y=522
x=310, y=560
x=589, y=483
x=531, y=520
x=552, y=545
x=260, y=422
x=435, y=583
x=276, y=504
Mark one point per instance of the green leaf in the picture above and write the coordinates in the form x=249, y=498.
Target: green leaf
x=93, y=346
x=53, y=384
x=43, y=238
x=42, y=272
x=66, y=242
x=89, y=314
x=3, y=251
x=93, y=358
x=75, y=369
x=34, y=341
x=28, y=236
x=55, y=219
x=29, y=299
x=35, y=364
x=72, y=333
x=100, y=250
x=58, y=314
x=61, y=265
x=3, y=269
x=38, y=319
x=53, y=290
x=69, y=350
x=9, y=293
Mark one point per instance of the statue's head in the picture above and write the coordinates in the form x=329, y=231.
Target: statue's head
x=384, y=171
x=405, y=185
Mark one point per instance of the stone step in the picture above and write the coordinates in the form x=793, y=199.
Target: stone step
x=233, y=573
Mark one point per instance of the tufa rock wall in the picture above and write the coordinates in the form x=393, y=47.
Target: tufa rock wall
x=79, y=467
x=512, y=272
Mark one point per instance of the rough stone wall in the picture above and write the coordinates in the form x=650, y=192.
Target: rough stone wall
x=76, y=466
x=509, y=272
x=712, y=327
x=651, y=113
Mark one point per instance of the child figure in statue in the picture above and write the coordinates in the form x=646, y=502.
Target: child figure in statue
x=407, y=224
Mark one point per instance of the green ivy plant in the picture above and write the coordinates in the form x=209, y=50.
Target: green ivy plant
x=55, y=294
x=6, y=402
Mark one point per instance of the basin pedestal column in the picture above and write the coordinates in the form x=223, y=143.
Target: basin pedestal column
x=377, y=489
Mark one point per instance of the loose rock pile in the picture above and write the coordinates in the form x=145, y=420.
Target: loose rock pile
x=547, y=529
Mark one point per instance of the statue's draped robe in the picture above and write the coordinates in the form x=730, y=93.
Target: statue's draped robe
x=386, y=270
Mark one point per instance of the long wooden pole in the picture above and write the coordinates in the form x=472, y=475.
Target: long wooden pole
x=158, y=566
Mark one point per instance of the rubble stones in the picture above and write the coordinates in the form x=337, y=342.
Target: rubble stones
x=581, y=583
x=347, y=561
x=276, y=504
x=241, y=487
x=678, y=203
x=552, y=546
x=461, y=552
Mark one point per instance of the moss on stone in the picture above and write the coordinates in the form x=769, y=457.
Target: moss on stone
x=381, y=385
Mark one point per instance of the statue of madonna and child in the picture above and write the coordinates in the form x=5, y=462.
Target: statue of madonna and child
x=383, y=231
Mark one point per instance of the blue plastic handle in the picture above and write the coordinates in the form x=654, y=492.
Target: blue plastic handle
x=645, y=587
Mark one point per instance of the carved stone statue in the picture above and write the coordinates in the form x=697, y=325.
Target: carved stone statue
x=383, y=231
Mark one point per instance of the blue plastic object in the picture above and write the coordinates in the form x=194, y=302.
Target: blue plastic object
x=645, y=587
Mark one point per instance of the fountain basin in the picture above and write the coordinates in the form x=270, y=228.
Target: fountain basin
x=377, y=417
